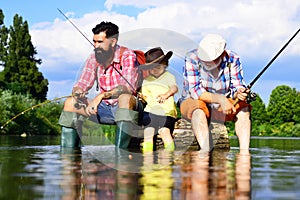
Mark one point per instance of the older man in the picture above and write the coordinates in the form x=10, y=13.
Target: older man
x=214, y=89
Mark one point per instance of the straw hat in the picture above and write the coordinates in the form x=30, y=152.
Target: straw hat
x=155, y=56
x=211, y=47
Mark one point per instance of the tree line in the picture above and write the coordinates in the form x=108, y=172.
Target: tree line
x=23, y=86
x=281, y=117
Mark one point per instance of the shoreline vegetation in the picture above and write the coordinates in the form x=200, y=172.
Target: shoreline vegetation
x=281, y=118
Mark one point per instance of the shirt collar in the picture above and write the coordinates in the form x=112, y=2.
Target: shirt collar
x=117, y=55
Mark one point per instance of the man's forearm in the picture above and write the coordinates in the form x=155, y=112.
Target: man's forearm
x=209, y=97
x=115, y=93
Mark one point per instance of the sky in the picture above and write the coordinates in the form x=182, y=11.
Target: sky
x=255, y=29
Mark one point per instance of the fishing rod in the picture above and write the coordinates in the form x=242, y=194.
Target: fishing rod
x=133, y=88
x=33, y=107
x=268, y=65
x=76, y=27
x=272, y=60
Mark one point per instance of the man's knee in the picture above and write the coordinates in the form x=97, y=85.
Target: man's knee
x=198, y=113
x=69, y=104
x=126, y=101
x=189, y=105
x=244, y=113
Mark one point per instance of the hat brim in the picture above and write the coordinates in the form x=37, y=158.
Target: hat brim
x=156, y=62
x=207, y=56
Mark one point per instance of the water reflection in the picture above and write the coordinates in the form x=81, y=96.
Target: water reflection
x=77, y=174
x=71, y=182
x=214, y=176
x=156, y=181
x=243, y=175
x=194, y=173
x=271, y=171
x=93, y=180
x=162, y=175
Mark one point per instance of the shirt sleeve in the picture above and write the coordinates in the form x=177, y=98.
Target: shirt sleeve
x=129, y=70
x=88, y=74
x=237, y=75
x=191, y=75
x=171, y=79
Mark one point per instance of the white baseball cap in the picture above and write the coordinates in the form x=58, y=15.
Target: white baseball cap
x=211, y=47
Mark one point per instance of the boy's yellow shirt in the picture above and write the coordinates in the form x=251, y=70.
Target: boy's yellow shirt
x=152, y=87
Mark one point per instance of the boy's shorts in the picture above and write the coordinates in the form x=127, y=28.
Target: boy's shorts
x=158, y=121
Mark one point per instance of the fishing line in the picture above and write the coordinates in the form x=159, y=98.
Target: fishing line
x=270, y=62
x=132, y=87
x=95, y=47
x=76, y=27
x=33, y=107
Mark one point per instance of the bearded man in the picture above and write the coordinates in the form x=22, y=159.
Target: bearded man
x=113, y=68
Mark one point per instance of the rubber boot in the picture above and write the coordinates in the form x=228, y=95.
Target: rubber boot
x=71, y=129
x=123, y=137
x=69, y=138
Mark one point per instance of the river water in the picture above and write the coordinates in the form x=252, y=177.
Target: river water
x=37, y=168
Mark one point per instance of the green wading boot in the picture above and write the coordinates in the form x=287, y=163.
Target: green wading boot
x=123, y=137
x=69, y=138
x=71, y=129
x=126, y=120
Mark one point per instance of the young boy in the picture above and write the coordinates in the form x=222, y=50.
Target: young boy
x=158, y=90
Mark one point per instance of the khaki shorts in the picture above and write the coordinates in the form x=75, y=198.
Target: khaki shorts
x=188, y=106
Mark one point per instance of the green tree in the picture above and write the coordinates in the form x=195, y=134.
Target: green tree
x=258, y=112
x=3, y=44
x=281, y=105
x=296, y=108
x=20, y=72
x=259, y=117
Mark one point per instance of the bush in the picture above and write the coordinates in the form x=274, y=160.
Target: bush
x=20, y=115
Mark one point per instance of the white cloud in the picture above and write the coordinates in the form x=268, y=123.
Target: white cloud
x=255, y=29
x=244, y=24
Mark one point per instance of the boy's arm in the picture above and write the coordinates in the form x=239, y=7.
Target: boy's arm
x=163, y=97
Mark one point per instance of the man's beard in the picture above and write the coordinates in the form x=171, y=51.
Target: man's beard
x=101, y=55
x=212, y=66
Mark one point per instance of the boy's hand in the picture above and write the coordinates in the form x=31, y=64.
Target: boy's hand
x=162, y=98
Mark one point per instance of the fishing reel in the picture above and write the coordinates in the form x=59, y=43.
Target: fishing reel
x=251, y=97
x=81, y=102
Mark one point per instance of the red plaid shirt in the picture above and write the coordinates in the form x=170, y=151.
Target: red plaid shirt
x=109, y=78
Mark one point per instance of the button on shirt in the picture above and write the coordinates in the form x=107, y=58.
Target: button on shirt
x=109, y=78
x=198, y=80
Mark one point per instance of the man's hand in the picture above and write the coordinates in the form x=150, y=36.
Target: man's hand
x=78, y=93
x=242, y=94
x=227, y=106
x=91, y=108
